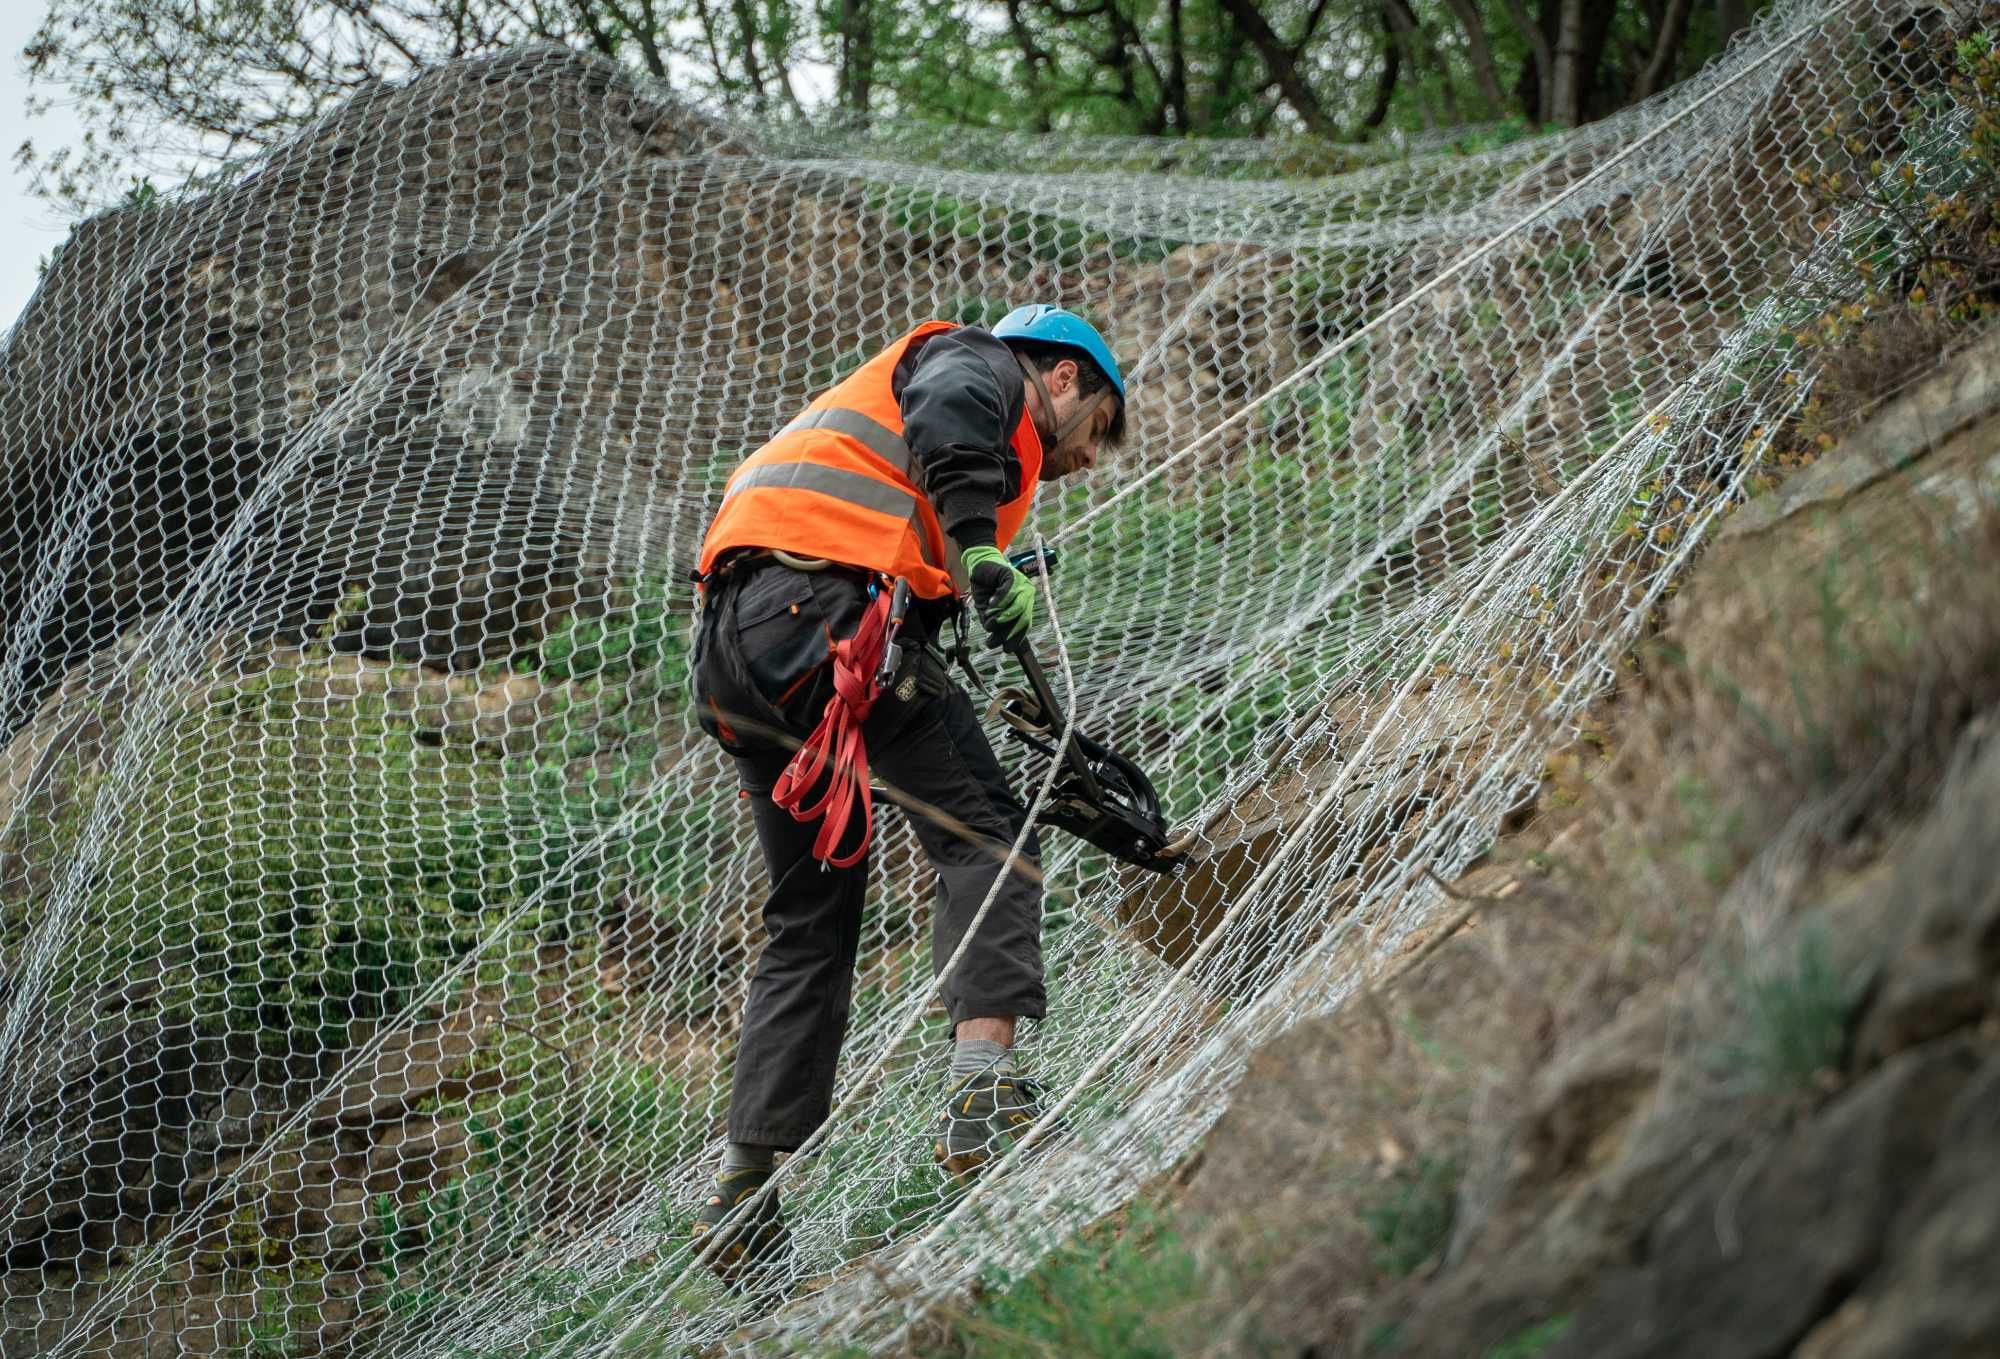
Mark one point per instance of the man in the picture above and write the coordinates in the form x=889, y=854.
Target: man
x=920, y=466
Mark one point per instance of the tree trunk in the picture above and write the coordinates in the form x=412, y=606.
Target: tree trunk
x=649, y=30
x=1225, y=95
x=1281, y=62
x=857, y=58
x=1422, y=54
x=1035, y=63
x=746, y=32
x=1385, y=79
x=723, y=79
x=1597, y=17
x=1537, y=85
x=1480, y=54
x=1127, y=42
x=1566, y=91
x=1666, y=51
x=1731, y=18
x=1177, y=67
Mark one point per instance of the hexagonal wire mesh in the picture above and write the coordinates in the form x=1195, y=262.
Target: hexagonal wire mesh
x=375, y=930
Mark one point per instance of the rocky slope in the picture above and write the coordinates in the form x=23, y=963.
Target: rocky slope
x=1712, y=1062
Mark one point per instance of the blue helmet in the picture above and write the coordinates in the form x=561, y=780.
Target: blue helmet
x=1053, y=325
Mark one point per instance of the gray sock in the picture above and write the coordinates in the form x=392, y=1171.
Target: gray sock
x=980, y=1054
x=743, y=1156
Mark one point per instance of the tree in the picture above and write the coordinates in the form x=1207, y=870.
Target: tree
x=163, y=81
x=166, y=82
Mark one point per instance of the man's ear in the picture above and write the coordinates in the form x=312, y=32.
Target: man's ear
x=1064, y=377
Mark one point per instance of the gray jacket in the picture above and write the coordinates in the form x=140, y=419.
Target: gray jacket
x=961, y=393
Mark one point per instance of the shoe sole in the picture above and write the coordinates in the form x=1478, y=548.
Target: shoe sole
x=963, y=1167
x=733, y=1263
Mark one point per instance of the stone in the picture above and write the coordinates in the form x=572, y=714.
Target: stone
x=1941, y=971
x=1172, y=916
x=1935, y=1296
x=1748, y=1261
x=1910, y=426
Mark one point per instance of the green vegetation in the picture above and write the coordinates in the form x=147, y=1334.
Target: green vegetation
x=1534, y=1340
x=143, y=196
x=601, y=1128
x=1386, y=1338
x=639, y=645
x=1298, y=458
x=1910, y=177
x=1794, y=1017
x=1006, y=227
x=308, y=863
x=1116, y=1290
x=1412, y=1221
x=303, y=851
x=149, y=82
x=313, y=856
x=1506, y=132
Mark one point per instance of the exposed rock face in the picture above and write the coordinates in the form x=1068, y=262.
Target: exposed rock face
x=1443, y=734
x=197, y=1143
x=1748, y=1260
x=1861, y=1230
x=495, y=315
x=175, y=353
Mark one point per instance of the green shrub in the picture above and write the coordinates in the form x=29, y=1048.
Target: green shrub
x=290, y=861
x=289, y=864
x=1528, y=1343
x=1412, y=1222
x=1506, y=132
x=1061, y=241
x=1117, y=1295
x=645, y=642
x=1194, y=542
x=597, y=1135
x=1793, y=1019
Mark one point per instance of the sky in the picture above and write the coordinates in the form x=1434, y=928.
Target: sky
x=29, y=228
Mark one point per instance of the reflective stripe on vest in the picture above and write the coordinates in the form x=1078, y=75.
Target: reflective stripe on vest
x=839, y=482
x=872, y=434
x=856, y=488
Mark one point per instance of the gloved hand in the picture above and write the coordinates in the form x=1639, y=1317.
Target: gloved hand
x=1003, y=596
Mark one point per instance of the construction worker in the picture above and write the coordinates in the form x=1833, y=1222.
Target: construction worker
x=920, y=466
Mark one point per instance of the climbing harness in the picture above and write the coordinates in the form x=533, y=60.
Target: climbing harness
x=1101, y=796
x=836, y=748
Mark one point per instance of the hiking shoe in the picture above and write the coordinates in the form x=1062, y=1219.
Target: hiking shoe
x=984, y=1114
x=755, y=1247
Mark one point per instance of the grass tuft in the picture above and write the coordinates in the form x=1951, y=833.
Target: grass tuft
x=1413, y=1221
x=1532, y=1341
x=1794, y=1017
x=1112, y=1293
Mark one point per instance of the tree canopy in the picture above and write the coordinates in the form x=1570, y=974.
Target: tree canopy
x=191, y=80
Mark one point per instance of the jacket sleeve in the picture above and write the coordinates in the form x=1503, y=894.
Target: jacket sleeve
x=959, y=414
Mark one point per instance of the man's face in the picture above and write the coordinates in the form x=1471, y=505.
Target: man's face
x=1077, y=452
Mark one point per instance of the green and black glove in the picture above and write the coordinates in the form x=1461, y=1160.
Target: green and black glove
x=1003, y=596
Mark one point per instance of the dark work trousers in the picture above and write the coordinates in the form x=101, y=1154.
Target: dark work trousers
x=761, y=683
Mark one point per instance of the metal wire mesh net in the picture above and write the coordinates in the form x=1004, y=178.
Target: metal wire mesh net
x=373, y=927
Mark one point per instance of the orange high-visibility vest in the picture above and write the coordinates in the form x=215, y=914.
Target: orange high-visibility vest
x=837, y=483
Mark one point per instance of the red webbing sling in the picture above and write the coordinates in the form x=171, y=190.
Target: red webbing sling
x=836, y=745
